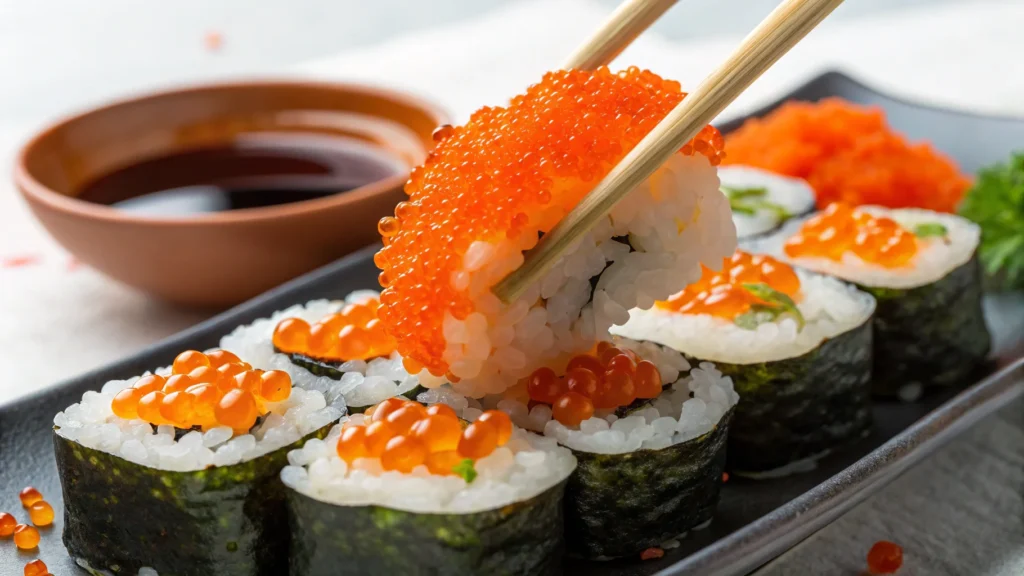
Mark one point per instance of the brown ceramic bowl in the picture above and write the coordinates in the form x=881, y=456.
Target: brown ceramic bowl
x=222, y=258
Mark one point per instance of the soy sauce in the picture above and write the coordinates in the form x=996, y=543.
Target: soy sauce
x=256, y=170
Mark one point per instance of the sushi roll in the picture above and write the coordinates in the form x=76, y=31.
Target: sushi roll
x=303, y=341
x=922, y=268
x=761, y=202
x=404, y=489
x=649, y=434
x=177, y=471
x=494, y=186
x=797, y=346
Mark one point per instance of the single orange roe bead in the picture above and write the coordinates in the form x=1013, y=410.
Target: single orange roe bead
x=149, y=408
x=321, y=340
x=237, y=410
x=621, y=390
x=204, y=398
x=227, y=375
x=587, y=362
x=250, y=381
x=176, y=408
x=581, y=381
x=647, y=380
x=26, y=537
x=478, y=440
x=126, y=403
x=7, y=524
x=443, y=463
x=544, y=386
x=178, y=383
x=571, y=408
x=501, y=422
x=377, y=436
x=36, y=568
x=352, y=444
x=291, y=335
x=885, y=558
x=151, y=383
x=402, y=454
x=41, y=513
x=204, y=375
x=385, y=408
x=621, y=362
x=652, y=553
x=403, y=418
x=442, y=409
x=439, y=433
x=353, y=342
x=276, y=386
x=360, y=314
x=219, y=358
x=188, y=361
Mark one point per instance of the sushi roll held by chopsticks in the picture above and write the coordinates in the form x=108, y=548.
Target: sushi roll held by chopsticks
x=177, y=471
x=921, y=267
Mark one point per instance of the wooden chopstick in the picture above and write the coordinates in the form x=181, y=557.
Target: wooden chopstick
x=779, y=32
x=628, y=21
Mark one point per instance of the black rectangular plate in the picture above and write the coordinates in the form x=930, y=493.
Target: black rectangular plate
x=756, y=521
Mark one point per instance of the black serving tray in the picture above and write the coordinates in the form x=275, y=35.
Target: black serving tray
x=756, y=521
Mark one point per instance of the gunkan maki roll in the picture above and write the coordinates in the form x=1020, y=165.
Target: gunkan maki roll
x=763, y=201
x=649, y=434
x=797, y=346
x=177, y=471
x=335, y=347
x=922, y=268
x=404, y=489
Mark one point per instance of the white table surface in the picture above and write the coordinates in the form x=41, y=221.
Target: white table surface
x=58, y=319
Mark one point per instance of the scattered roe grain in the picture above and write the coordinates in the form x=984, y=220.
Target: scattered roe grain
x=885, y=558
x=26, y=537
x=848, y=153
x=36, y=568
x=509, y=171
x=7, y=524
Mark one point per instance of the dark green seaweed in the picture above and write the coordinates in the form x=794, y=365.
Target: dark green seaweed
x=121, y=516
x=933, y=335
x=800, y=407
x=524, y=538
x=618, y=505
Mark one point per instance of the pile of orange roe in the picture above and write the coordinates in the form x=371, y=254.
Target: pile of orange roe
x=848, y=153
x=509, y=173
x=403, y=435
x=609, y=378
x=355, y=333
x=840, y=228
x=204, y=390
x=722, y=293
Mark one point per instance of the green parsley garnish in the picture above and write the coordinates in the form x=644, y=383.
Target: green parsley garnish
x=996, y=203
x=749, y=201
x=930, y=229
x=776, y=304
x=466, y=470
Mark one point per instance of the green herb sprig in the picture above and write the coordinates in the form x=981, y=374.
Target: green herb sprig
x=776, y=304
x=750, y=201
x=929, y=229
x=466, y=470
x=996, y=203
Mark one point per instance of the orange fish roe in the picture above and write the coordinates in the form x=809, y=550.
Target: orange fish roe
x=36, y=568
x=41, y=513
x=29, y=496
x=355, y=333
x=885, y=558
x=609, y=378
x=847, y=153
x=26, y=537
x=509, y=173
x=205, y=390
x=722, y=294
x=7, y=524
x=840, y=229
x=403, y=435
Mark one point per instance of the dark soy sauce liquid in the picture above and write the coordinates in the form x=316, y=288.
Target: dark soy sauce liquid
x=255, y=170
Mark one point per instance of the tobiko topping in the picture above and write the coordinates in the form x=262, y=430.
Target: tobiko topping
x=355, y=333
x=746, y=283
x=404, y=434
x=204, y=390
x=510, y=171
x=607, y=379
x=840, y=229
